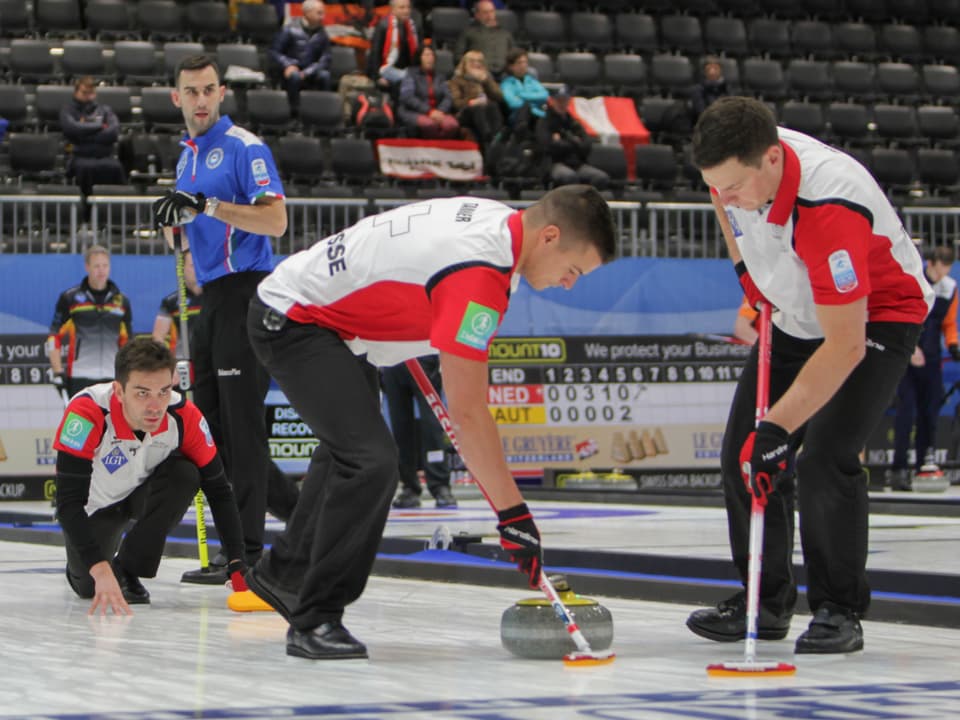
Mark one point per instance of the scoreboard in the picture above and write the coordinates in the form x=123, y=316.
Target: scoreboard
x=635, y=404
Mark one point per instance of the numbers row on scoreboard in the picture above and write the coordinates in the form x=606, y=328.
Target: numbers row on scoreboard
x=646, y=373
x=25, y=374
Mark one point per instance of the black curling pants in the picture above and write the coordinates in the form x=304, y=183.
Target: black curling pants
x=327, y=551
x=156, y=506
x=831, y=485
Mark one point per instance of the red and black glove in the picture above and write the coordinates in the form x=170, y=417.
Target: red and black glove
x=763, y=459
x=236, y=569
x=752, y=292
x=519, y=537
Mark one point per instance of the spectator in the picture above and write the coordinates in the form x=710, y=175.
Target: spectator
x=568, y=145
x=166, y=325
x=301, y=50
x=394, y=44
x=421, y=443
x=921, y=388
x=425, y=101
x=712, y=87
x=94, y=318
x=92, y=131
x=476, y=97
x=485, y=35
x=520, y=88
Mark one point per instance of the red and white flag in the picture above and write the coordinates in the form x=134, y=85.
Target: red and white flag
x=417, y=159
x=613, y=119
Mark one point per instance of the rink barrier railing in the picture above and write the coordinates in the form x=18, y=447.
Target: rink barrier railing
x=55, y=223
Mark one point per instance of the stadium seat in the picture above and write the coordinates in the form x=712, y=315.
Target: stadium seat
x=636, y=32
x=209, y=21
x=161, y=20
x=83, y=57
x=257, y=23
x=916, y=12
x=763, y=78
x=159, y=112
x=445, y=65
x=352, y=159
x=827, y=10
x=893, y=168
x=239, y=54
x=591, y=31
x=869, y=11
x=580, y=71
x=813, y=38
x=941, y=81
x=34, y=156
x=49, y=100
x=13, y=105
x=626, y=73
x=942, y=43
x=110, y=19
x=939, y=124
x=900, y=42
x=174, y=52
x=447, y=23
x=15, y=18
x=938, y=169
x=805, y=117
x=899, y=81
x=946, y=11
x=343, y=60
x=268, y=110
x=769, y=36
x=681, y=33
x=321, y=112
x=31, y=61
x=656, y=167
x=508, y=20
x=810, y=79
x=545, y=30
x=854, y=79
x=896, y=123
x=784, y=9
x=135, y=62
x=726, y=36
x=543, y=64
x=849, y=122
x=120, y=100
x=855, y=40
x=667, y=119
x=300, y=158
x=610, y=159
x=671, y=74
x=58, y=18
x=740, y=8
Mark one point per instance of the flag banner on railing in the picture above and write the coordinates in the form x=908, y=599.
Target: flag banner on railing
x=613, y=119
x=418, y=159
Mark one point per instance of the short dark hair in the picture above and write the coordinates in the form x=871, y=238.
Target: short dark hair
x=197, y=62
x=942, y=254
x=581, y=211
x=733, y=127
x=143, y=354
x=514, y=54
x=84, y=81
x=418, y=54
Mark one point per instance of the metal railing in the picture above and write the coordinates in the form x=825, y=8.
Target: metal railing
x=54, y=223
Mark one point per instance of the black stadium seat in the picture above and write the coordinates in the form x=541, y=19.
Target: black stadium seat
x=257, y=23
x=682, y=33
x=209, y=20
x=58, y=17
x=321, y=112
x=726, y=35
x=591, y=31
x=83, y=57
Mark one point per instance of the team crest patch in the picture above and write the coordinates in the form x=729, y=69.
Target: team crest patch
x=478, y=325
x=737, y=232
x=76, y=430
x=214, y=158
x=205, y=429
x=181, y=164
x=841, y=268
x=260, y=174
x=114, y=460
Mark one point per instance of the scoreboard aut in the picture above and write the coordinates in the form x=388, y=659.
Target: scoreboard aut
x=644, y=405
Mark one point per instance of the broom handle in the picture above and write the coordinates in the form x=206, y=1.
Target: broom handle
x=436, y=404
x=756, y=509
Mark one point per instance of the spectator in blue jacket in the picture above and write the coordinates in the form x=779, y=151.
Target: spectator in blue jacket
x=425, y=101
x=520, y=88
x=301, y=50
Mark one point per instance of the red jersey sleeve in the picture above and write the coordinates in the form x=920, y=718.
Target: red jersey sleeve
x=81, y=428
x=833, y=240
x=197, y=443
x=467, y=308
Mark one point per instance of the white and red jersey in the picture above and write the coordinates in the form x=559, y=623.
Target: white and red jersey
x=93, y=428
x=434, y=275
x=829, y=237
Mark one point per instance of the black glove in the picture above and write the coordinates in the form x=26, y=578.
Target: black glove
x=178, y=208
x=519, y=537
x=59, y=383
x=236, y=569
x=763, y=458
x=954, y=353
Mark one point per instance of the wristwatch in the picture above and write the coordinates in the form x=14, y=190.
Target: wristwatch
x=210, y=209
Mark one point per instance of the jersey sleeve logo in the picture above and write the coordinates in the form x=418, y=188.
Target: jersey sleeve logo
x=478, y=325
x=76, y=430
x=114, y=460
x=205, y=429
x=841, y=267
x=260, y=173
x=214, y=158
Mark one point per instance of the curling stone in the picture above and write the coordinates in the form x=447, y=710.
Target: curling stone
x=531, y=628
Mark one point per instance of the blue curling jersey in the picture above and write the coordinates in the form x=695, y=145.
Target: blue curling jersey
x=234, y=165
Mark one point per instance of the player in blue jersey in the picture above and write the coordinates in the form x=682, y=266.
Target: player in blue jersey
x=229, y=202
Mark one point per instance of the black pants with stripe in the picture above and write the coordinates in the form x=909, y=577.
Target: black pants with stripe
x=156, y=506
x=327, y=551
x=830, y=485
x=230, y=388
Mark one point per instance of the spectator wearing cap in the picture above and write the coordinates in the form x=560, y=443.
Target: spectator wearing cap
x=567, y=144
x=712, y=87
